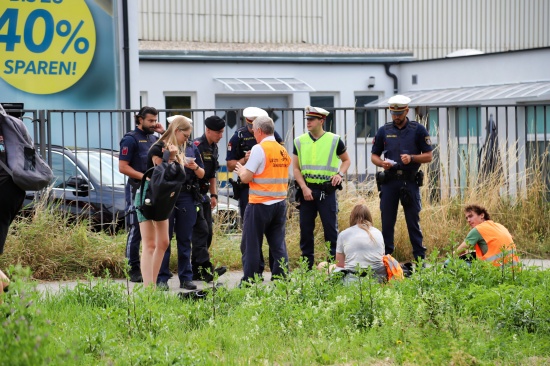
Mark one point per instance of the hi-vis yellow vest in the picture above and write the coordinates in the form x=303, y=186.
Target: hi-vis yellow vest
x=272, y=183
x=500, y=245
x=318, y=159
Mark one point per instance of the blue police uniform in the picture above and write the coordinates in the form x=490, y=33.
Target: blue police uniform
x=241, y=142
x=182, y=221
x=391, y=141
x=134, y=148
x=202, y=231
x=325, y=204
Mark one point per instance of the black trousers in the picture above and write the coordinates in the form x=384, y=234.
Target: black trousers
x=11, y=201
x=202, y=238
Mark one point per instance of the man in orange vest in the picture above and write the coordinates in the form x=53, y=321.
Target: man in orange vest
x=492, y=241
x=266, y=171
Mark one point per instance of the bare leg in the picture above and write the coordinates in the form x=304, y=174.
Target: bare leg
x=147, y=229
x=4, y=283
x=162, y=241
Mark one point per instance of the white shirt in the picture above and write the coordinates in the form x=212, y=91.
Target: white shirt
x=358, y=248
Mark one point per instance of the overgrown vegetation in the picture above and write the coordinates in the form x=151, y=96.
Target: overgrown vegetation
x=458, y=316
x=55, y=248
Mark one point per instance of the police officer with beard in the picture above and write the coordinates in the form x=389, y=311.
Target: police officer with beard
x=134, y=148
x=207, y=144
x=405, y=145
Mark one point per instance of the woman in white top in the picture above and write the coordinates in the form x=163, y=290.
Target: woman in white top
x=361, y=244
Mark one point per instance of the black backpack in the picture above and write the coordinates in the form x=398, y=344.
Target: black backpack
x=165, y=183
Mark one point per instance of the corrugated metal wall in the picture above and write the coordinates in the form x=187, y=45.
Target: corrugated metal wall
x=430, y=28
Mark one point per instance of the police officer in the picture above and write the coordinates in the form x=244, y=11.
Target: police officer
x=267, y=173
x=207, y=145
x=134, y=147
x=238, y=151
x=405, y=144
x=315, y=166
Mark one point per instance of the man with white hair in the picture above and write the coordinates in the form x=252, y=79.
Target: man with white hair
x=238, y=151
x=266, y=171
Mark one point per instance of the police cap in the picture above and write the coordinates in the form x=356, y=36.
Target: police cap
x=214, y=123
x=316, y=112
x=251, y=113
x=398, y=104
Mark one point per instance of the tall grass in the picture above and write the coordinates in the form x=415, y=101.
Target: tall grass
x=55, y=248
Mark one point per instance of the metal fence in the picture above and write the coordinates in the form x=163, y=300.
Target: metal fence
x=469, y=141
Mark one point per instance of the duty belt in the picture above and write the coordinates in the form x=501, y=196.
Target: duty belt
x=401, y=174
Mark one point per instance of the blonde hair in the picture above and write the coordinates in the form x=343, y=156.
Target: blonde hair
x=169, y=136
x=361, y=216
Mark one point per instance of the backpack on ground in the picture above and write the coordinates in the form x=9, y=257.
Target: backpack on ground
x=159, y=199
x=393, y=269
x=27, y=168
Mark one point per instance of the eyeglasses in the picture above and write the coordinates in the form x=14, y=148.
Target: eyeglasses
x=184, y=134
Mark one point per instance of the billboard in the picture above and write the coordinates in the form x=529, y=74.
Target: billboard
x=59, y=54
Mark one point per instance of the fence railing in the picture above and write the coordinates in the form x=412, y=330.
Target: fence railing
x=469, y=141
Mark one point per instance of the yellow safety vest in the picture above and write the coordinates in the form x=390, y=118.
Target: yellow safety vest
x=318, y=159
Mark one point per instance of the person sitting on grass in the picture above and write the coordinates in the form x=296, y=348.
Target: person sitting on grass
x=492, y=241
x=359, y=246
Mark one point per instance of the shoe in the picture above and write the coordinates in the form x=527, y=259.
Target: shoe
x=220, y=270
x=135, y=276
x=188, y=285
x=163, y=286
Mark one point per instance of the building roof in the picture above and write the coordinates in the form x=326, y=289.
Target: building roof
x=482, y=94
x=160, y=50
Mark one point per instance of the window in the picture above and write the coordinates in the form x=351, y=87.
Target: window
x=366, y=121
x=538, y=141
x=179, y=103
x=325, y=102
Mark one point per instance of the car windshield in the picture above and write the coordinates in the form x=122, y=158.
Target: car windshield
x=103, y=166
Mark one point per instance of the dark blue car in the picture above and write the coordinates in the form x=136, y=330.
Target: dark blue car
x=87, y=185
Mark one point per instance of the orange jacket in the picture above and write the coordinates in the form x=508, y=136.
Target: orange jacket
x=272, y=183
x=500, y=245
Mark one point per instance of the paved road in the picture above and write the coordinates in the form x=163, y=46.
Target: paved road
x=230, y=279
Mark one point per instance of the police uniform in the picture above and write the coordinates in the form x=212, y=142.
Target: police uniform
x=182, y=221
x=202, y=231
x=134, y=148
x=242, y=141
x=400, y=183
x=319, y=161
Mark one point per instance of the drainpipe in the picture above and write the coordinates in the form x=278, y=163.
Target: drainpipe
x=393, y=76
x=126, y=51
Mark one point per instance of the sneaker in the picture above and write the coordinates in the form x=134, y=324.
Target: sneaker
x=135, y=276
x=188, y=285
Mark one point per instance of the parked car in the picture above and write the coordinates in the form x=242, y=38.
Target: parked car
x=226, y=214
x=86, y=185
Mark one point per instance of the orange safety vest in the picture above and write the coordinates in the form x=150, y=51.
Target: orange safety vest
x=272, y=183
x=393, y=268
x=500, y=245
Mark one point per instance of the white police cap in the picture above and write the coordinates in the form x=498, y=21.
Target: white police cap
x=315, y=112
x=398, y=104
x=251, y=113
x=172, y=118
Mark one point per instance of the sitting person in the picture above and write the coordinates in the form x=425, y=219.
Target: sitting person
x=359, y=246
x=492, y=241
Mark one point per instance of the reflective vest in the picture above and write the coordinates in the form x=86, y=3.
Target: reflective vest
x=318, y=159
x=272, y=183
x=500, y=245
x=393, y=268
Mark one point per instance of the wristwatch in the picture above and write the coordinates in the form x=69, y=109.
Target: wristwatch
x=341, y=174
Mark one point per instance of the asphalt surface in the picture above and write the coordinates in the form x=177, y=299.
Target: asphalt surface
x=230, y=279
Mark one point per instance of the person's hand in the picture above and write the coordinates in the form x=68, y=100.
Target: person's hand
x=406, y=158
x=336, y=179
x=191, y=165
x=173, y=150
x=158, y=128
x=307, y=193
x=386, y=165
x=213, y=202
x=238, y=168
